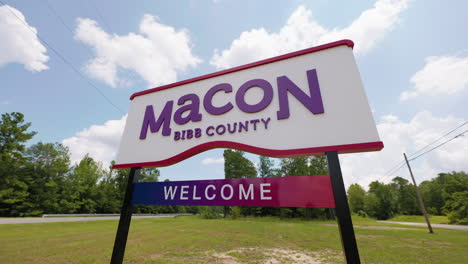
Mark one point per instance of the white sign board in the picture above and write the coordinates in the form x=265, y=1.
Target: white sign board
x=303, y=103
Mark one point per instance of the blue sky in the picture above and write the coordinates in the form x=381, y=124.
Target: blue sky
x=412, y=56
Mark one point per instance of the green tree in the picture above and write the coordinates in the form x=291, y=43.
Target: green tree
x=382, y=201
x=111, y=190
x=13, y=187
x=456, y=208
x=454, y=187
x=318, y=165
x=120, y=179
x=81, y=192
x=47, y=168
x=453, y=182
x=301, y=166
x=372, y=205
x=266, y=167
x=149, y=175
x=237, y=166
x=13, y=135
x=439, y=190
x=433, y=196
x=295, y=166
x=356, y=198
x=407, y=201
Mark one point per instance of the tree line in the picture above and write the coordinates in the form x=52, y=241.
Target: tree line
x=446, y=194
x=40, y=179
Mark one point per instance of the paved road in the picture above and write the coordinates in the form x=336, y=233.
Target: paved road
x=68, y=219
x=457, y=227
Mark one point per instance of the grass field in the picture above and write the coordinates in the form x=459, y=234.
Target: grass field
x=247, y=240
x=434, y=219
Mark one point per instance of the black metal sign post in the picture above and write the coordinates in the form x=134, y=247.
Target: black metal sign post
x=125, y=219
x=345, y=224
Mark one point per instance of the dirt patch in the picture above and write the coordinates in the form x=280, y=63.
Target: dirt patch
x=291, y=256
x=156, y=256
x=269, y=256
x=225, y=258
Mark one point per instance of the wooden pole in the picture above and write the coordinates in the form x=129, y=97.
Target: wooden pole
x=421, y=202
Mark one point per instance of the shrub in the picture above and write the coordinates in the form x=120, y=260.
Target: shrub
x=235, y=212
x=456, y=208
x=361, y=213
x=209, y=212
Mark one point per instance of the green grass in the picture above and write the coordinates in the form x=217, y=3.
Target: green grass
x=434, y=219
x=248, y=240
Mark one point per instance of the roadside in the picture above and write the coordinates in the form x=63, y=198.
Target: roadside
x=456, y=227
x=74, y=219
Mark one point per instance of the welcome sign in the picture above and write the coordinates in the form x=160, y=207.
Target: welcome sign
x=303, y=103
x=309, y=102
x=292, y=191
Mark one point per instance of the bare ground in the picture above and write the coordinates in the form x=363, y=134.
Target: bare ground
x=270, y=256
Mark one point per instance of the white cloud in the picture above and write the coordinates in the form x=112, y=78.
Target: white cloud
x=19, y=42
x=443, y=75
x=208, y=161
x=409, y=137
x=99, y=141
x=157, y=53
x=302, y=31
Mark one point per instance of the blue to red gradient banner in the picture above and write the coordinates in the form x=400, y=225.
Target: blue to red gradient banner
x=291, y=191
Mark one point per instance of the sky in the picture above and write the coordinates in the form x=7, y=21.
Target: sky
x=71, y=66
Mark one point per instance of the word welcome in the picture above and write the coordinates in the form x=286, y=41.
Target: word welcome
x=292, y=191
x=189, y=104
x=226, y=192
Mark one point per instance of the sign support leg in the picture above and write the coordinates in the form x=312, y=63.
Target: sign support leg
x=125, y=219
x=345, y=224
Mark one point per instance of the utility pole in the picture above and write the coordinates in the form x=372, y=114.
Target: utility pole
x=421, y=202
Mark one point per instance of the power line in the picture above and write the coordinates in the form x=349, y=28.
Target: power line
x=400, y=164
x=57, y=15
x=100, y=16
x=438, y=139
x=390, y=174
x=440, y=145
x=65, y=60
x=394, y=168
x=436, y=147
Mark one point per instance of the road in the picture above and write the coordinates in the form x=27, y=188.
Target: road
x=68, y=219
x=456, y=227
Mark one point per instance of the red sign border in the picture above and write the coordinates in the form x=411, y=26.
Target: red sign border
x=341, y=149
x=345, y=42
